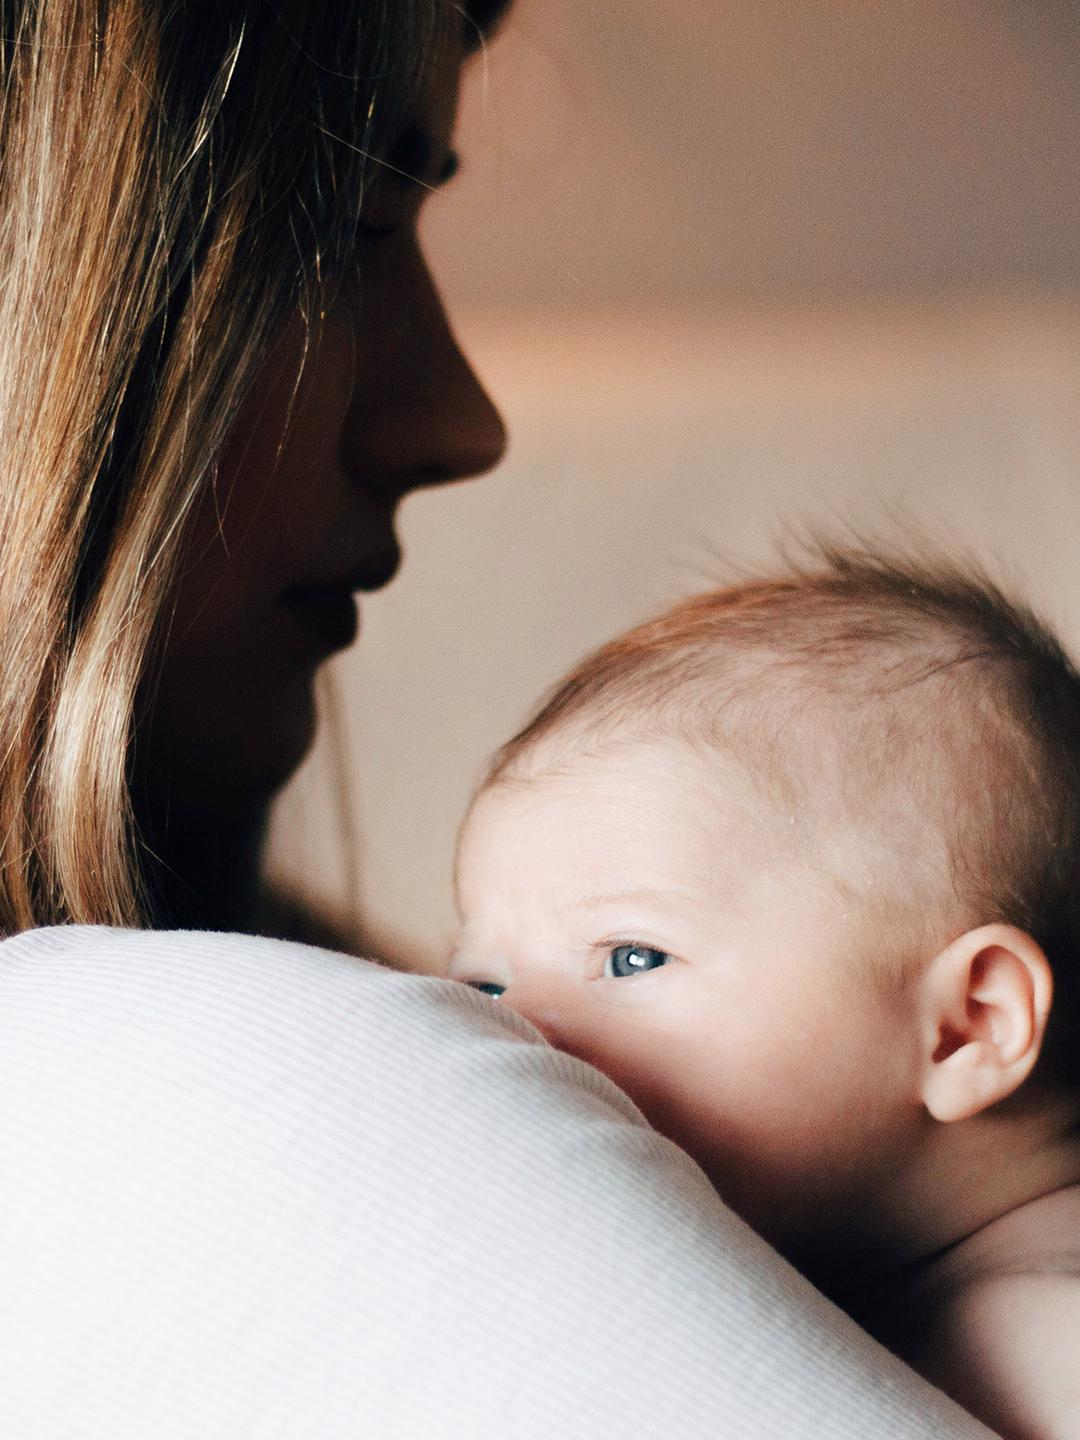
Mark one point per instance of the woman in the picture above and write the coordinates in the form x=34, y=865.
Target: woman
x=252, y=1188
x=207, y=183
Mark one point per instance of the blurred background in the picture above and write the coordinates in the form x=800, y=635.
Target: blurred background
x=728, y=266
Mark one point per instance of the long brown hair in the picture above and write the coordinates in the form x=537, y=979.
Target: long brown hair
x=175, y=179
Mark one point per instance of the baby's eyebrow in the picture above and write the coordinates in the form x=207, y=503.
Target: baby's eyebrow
x=675, y=902
x=631, y=892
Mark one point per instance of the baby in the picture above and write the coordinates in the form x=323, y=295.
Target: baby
x=796, y=866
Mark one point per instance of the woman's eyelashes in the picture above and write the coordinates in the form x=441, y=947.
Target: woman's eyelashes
x=633, y=959
x=379, y=232
x=388, y=212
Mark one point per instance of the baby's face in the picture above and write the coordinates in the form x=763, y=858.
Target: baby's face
x=652, y=915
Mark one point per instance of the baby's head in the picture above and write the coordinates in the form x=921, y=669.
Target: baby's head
x=787, y=863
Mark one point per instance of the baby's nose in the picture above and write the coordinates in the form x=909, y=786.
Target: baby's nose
x=551, y=1001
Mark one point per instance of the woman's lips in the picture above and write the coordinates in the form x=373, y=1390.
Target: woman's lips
x=326, y=613
x=325, y=608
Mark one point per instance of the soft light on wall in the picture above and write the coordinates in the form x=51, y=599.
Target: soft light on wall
x=726, y=267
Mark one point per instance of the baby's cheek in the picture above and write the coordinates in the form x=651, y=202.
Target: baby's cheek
x=692, y=1082
x=658, y=1042
x=644, y=1057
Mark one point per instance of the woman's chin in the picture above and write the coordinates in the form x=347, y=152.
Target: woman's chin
x=226, y=774
x=276, y=745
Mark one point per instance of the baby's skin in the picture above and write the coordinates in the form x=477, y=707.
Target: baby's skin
x=640, y=905
x=995, y=1320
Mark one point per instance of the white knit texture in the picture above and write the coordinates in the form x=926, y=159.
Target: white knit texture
x=252, y=1189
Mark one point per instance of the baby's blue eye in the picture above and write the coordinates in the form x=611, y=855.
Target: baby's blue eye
x=488, y=987
x=626, y=960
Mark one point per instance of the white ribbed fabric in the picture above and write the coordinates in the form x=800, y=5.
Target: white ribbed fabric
x=252, y=1189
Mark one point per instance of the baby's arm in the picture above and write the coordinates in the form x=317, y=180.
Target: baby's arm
x=1008, y=1348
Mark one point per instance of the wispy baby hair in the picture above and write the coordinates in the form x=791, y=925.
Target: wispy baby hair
x=894, y=699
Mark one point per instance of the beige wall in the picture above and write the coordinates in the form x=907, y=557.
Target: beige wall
x=726, y=266
x=687, y=151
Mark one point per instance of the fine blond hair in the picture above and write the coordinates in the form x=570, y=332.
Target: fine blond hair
x=904, y=701
x=177, y=179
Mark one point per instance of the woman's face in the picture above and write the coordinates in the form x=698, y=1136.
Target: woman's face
x=302, y=515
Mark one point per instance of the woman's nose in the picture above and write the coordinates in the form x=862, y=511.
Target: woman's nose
x=466, y=435
x=420, y=415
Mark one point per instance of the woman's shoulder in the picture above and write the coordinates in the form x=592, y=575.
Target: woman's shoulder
x=272, y=1052
x=265, y=980
x=301, y=1189
x=222, y=1002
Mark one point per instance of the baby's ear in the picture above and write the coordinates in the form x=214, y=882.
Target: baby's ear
x=985, y=1000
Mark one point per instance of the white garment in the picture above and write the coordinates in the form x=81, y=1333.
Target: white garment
x=253, y=1189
